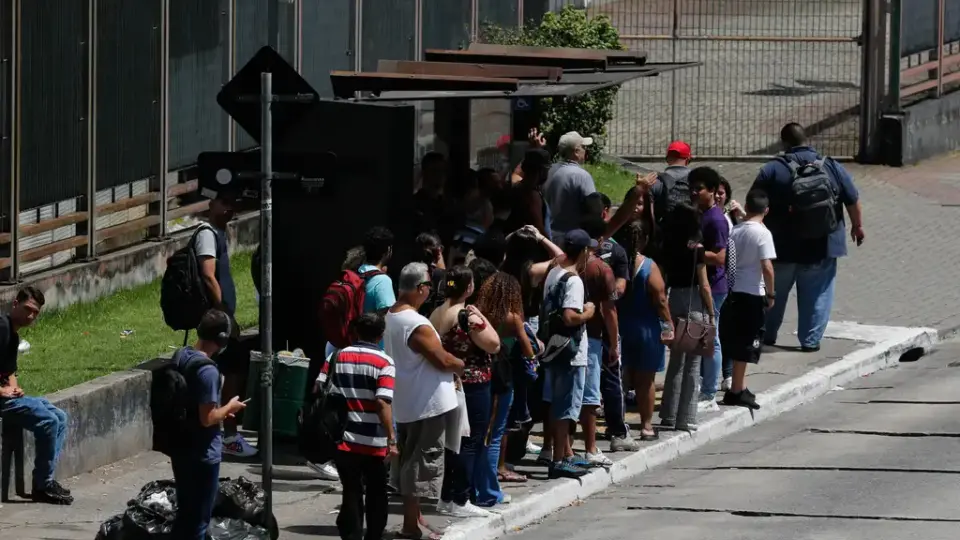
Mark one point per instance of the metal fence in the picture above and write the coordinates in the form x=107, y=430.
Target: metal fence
x=105, y=104
x=924, y=50
x=765, y=63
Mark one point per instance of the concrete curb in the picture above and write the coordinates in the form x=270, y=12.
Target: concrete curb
x=561, y=493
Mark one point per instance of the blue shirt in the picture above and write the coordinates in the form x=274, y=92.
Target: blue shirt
x=379, y=291
x=775, y=178
x=205, y=443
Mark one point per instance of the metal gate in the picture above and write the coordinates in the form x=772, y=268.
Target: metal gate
x=765, y=63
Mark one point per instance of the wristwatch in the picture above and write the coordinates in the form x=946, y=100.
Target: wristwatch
x=771, y=296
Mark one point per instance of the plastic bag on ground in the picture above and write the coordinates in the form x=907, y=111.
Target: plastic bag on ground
x=235, y=529
x=111, y=529
x=151, y=514
x=242, y=499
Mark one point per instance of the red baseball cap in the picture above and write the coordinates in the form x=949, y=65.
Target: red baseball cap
x=680, y=148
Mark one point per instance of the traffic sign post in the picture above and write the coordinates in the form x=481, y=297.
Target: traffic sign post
x=220, y=170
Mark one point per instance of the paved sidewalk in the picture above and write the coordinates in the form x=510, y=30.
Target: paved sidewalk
x=306, y=507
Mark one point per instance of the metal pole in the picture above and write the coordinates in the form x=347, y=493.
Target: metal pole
x=273, y=24
x=674, y=32
x=893, y=90
x=266, y=293
x=940, y=39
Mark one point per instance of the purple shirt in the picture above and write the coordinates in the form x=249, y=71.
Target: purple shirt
x=716, y=231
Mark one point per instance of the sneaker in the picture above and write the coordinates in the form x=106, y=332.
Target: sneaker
x=532, y=448
x=726, y=384
x=566, y=469
x=692, y=428
x=326, y=471
x=505, y=498
x=468, y=510
x=51, y=495
x=59, y=487
x=707, y=404
x=600, y=412
x=545, y=456
x=237, y=446
x=598, y=459
x=623, y=443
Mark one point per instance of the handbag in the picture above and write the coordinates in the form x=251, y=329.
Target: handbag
x=693, y=336
x=323, y=420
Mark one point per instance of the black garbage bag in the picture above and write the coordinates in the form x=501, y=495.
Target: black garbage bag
x=111, y=529
x=242, y=499
x=235, y=529
x=151, y=514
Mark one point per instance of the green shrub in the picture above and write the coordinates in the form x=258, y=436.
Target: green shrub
x=571, y=27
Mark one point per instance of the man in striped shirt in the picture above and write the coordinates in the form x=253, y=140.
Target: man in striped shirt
x=363, y=374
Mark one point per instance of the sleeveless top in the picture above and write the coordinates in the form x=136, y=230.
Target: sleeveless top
x=477, y=363
x=638, y=305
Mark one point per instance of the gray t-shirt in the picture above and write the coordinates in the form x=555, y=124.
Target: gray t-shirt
x=568, y=184
x=206, y=243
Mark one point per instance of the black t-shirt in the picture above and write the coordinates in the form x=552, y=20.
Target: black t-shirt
x=9, y=344
x=614, y=255
x=681, y=265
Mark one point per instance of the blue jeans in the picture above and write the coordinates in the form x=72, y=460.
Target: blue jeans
x=197, y=485
x=486, y=482
x=462, y=480
x=591, y=386
x=814, y=299
x=49, y=427
x=710, y=367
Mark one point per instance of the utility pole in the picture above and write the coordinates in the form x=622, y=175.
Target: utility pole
x=266, y=293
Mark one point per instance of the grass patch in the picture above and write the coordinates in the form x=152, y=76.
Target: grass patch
x=611, y=180
x=85, y=341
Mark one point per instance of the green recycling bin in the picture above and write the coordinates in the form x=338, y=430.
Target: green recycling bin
x=289, y=389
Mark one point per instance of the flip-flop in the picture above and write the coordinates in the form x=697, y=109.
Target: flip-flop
x=426, y=525
x=511, y=476
x=430, y=536
x=647, y=437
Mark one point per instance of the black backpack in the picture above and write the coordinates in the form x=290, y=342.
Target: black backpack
x=173, y=410
x=676, y=191
x=183, y=295
x=813, y=198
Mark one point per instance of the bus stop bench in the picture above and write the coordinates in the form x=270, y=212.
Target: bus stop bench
x=11, y=454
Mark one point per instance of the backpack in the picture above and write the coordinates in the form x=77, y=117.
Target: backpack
x=676, y=191
x=173, y=410
x=183, y=295
x=813, y=198
x=323, y=419
x=558, y=338
x=341, y=304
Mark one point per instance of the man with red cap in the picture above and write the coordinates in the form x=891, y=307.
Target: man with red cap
x=671, y=187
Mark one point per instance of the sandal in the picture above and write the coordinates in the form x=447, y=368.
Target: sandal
x=429, y=536
x=510, y=476
x=647, y=436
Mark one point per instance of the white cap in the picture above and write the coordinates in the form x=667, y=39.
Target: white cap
x=572, y=140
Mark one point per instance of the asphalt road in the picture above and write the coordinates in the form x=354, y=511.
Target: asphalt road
x=877, y=460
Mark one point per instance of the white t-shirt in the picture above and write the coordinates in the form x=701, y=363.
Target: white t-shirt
x=754, y=244
x=206, y=242
x=421, y=390
x=572, y=299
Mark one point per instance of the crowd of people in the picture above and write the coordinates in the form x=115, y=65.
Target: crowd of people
x=532, y=299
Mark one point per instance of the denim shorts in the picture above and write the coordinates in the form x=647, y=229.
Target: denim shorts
x=591, y=387
x=563, y=390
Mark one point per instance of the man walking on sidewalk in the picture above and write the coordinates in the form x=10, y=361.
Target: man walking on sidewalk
x=741, y=327
x=808, y=193
x=35, y=414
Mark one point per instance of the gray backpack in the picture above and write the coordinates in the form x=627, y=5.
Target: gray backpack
x=676, y=191
x=813, y=198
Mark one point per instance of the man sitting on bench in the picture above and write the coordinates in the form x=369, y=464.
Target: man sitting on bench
x=47, y=423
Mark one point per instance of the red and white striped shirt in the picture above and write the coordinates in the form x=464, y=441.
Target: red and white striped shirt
x=363, y=375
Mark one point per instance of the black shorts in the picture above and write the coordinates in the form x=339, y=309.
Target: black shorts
x=741, y=327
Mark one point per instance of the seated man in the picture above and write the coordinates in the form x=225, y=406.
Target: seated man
x=47, y=423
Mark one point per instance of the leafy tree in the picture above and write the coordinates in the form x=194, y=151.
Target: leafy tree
x=587, y=114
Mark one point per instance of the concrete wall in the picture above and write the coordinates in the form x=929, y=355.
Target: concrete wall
x=123, y=269
x=925, y=129
x=109, y=420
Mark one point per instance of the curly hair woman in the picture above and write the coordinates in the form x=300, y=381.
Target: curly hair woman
x=500, y=302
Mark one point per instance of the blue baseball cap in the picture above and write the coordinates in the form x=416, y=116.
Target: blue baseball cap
x=578, y=239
